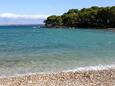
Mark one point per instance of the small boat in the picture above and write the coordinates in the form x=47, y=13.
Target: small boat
x=36, y=27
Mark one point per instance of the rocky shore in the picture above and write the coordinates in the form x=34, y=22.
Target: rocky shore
x=78, y=78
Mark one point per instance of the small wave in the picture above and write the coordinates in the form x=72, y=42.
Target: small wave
x=79, y=69
x=95, y=68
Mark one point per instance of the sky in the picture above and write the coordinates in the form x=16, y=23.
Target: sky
x=30, y=10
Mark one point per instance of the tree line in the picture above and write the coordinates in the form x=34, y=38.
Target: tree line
x=103, y=17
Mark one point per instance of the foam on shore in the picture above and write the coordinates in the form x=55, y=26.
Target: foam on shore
x=86, y=76
x=93, y=68
x=79, y=69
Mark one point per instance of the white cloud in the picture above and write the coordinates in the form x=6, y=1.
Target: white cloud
x=22, y=16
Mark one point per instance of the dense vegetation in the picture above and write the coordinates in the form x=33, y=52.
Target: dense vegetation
x=86, y=17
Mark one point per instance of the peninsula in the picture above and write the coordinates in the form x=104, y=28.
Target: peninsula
x=94, y=17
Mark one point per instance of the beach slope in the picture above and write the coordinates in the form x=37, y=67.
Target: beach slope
x=78, y=78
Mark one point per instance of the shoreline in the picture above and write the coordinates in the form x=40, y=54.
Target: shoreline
x=105, y=76
x=79, y=69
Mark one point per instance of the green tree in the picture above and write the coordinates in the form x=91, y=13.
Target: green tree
x=112, y=17
x=53, y=21
x=73, y=11
x=70, y=19
x=86, y=17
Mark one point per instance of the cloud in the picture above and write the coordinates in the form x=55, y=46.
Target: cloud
x=22, y=16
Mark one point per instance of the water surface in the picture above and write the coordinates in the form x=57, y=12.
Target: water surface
x=29, y=50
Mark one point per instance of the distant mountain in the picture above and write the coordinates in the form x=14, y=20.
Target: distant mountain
x=8, y=21
x=10, y=18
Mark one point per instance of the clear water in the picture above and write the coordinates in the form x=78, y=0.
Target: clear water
x=29, y=50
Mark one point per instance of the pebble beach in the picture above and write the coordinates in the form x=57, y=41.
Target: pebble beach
x=79, y=78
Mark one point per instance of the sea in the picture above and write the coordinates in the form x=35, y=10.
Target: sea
x=25, y=49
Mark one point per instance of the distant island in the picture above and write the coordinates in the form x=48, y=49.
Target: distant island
x=94, y=17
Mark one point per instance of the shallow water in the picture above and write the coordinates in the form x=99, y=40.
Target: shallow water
x=29, y=50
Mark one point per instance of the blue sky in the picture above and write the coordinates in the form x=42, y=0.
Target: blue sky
x=40, y=8
x=48, y=7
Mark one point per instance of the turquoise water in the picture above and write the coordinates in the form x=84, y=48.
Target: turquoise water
x=29, y=50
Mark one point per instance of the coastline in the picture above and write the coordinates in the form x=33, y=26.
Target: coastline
x=87, y=76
